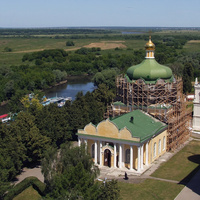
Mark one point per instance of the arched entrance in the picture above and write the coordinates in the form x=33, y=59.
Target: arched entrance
x=107, y=158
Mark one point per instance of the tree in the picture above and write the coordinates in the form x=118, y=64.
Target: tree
x=106, y=77
x=9, y=89
x=80, y=116
x=53, y=122
x=70, y=43
x=12, y=155
x=94, y=110
x=177, y=69
x=4, y=176
x=109, y=190
x=188, y=76
x=103, y=95
x=7, y=49
x=32, y=105
x=67, y=170
x=34, y=143
x=59, y=76
x=70, y=173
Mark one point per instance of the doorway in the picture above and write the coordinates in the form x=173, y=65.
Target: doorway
x=107, y=158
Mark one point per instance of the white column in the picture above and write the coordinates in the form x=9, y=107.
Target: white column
x=147, y=154
x=115, y=154
x=100, y=156
x=79, y=142
x=120, y=156
x=85, y=141
x=123, y=156
x=142, y=156
x=95, y=152
x=131, y=157
x=138, y=162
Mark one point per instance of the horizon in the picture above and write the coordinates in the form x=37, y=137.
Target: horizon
x=135, y=27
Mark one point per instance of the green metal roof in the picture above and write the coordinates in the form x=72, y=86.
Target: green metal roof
x=149, y=70
x=118, y=103
x=143, y=126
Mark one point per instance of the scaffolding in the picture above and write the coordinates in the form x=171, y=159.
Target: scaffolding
x=164, y=101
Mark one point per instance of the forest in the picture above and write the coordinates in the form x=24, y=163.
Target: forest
x=38, y=129
x=38, y=132
x=41, y=70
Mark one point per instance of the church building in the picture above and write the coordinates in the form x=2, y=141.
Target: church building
x=131, y=140
x=148, y=118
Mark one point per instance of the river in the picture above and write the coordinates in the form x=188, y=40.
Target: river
x=70, y=89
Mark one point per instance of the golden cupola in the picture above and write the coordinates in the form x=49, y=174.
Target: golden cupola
x=149, y=70
x=150, y=48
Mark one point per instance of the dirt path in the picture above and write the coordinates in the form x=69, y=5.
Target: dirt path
x=26, y=172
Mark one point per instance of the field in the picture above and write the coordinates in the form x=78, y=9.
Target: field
x=20, y=46
x=192, y=45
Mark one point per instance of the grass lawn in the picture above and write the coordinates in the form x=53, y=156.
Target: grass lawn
x=183, y=165
x=28, y=194
x=192, y=46
x=180, y=167
x=149, y=189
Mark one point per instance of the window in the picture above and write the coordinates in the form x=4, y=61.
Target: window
x=159, y=147
x=92, y=149
x=154, y=150
x=127, y=158
x=164, y=142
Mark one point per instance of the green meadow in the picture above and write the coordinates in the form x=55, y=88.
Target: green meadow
x=22, y=45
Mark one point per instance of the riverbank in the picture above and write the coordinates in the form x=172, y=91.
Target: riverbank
x=57, y=84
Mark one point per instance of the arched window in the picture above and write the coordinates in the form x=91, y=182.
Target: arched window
x=159, y=147
x=164, y=143
x=154, y=149
x=127, y=157
x=92, y=151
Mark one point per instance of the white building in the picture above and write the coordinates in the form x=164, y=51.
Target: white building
x=196, y=112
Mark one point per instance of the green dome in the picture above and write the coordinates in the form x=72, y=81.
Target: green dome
x=149, y=70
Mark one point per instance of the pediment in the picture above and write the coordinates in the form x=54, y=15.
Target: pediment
x=107, y=129
x=90, y=129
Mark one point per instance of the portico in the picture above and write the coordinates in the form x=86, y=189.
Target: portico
x=123, y=142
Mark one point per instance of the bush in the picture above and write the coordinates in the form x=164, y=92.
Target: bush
x=20, y=187
x=70, y=43
x=7, y=49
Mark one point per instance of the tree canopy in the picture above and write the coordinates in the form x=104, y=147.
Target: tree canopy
x=70, y=174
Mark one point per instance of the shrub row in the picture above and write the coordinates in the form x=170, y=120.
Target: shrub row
x=27, y=182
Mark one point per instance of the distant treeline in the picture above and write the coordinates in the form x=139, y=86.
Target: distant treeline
x=52, y=31
x=93, y=34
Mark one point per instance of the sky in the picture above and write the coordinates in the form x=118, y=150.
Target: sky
x=91, y=13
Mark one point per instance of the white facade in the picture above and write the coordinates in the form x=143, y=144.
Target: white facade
x=196, y=111
x=98, y=148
